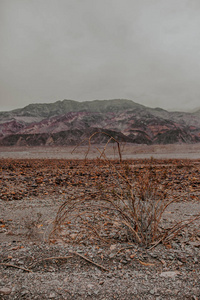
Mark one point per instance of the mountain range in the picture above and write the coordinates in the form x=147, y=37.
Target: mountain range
x=68, y=122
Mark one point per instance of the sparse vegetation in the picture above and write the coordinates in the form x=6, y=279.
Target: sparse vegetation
x=131, y=211
x=107, y=263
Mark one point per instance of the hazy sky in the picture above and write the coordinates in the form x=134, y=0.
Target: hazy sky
x=144, y=50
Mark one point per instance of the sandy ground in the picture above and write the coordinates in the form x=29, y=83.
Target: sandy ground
x=129, y=151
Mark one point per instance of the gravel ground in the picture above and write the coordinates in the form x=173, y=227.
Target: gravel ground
x=32, y=268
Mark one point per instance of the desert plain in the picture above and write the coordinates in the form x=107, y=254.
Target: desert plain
x=35, y=182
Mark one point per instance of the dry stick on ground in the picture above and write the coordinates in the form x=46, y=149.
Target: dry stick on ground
x=125, y=248
x=174, y=230
x=56, y=258
x=50, y=258
x=14, y=266
x=145, y=264
x=158, y=242
x=90, y=261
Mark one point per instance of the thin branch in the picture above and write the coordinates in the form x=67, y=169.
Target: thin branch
x=95, y=231
x=158, y=242
x=89, y=144
x=90, y=261
x=14, y=266
x=50, y=258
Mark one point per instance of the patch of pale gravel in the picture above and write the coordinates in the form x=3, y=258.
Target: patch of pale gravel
x=126, y=278
x=168, y=274
x=94, y=286
x=28, y=212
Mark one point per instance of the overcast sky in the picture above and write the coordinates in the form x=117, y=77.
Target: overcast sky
x=144, y=50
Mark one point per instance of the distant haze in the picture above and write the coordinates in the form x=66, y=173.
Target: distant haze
x=147, y=51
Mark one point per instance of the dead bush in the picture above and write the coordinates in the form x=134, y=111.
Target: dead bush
x=130, y=212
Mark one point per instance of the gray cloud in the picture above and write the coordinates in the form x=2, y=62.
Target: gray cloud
x=147, y=51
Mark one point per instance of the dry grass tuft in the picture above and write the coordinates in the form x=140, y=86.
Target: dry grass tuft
x=131, y=212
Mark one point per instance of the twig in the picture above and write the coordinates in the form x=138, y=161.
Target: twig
x=49, y=258
x=90, y=261
x=176, y=230
x=95, y=231
x=158, y=242
x=14, y=266
x=125, y=248
x=145, y=264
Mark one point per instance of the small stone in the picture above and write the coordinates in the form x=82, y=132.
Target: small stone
x=5, y=291
x=52, y=295
x=90, y=286
x=182, y=259
x=154, y=255
x=119, y=266
x=111, y=255
x=24, y=292
x=124, y=261
x=169, y=274
x=171, y=257
x=113, y=247
x=195, y=244
x=151, y=292
x=73, y=236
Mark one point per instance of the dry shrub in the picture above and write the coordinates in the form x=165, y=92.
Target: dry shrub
x=130, y=212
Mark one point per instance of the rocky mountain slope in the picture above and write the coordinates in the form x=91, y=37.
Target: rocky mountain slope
x=68, y=122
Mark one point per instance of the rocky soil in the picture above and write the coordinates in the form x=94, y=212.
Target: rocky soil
x=32, y=190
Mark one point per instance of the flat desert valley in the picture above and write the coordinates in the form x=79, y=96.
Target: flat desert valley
x=129, y=151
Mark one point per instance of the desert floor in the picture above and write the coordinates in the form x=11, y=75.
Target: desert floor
x=36, y=182
x=129, y=151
